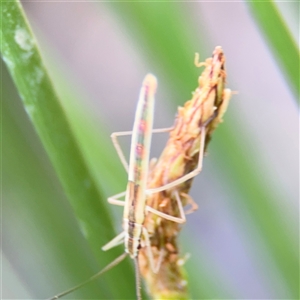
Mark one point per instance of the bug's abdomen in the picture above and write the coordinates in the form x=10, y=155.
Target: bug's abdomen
x=132, y=240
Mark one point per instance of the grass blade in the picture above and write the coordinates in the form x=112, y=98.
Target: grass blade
x=280, y=40
x=21, y=54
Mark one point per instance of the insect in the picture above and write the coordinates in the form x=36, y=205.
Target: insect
x=134, y=235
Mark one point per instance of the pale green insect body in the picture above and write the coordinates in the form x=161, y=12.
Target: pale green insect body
x=135, y=199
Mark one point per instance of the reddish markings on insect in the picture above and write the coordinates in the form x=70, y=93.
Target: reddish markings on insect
x=142, y=126
x=139, y=150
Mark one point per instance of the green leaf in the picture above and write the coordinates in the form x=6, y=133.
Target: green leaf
x=280, y=40
x=20, y=52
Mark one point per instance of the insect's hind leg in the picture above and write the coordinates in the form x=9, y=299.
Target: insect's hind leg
x=154, y=268
x=105, y=269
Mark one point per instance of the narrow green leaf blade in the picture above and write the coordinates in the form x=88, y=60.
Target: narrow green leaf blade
x=279, y=38
x=20, y=52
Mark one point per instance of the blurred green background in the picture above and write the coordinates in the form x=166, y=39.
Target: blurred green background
x=244, y=239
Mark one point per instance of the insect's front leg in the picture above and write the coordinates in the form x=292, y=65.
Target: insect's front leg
x=114, y=137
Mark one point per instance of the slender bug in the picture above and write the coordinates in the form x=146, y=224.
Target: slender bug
x=135, y=235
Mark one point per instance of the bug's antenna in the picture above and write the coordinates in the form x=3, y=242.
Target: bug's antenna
x=108, y=267
x=137, y=278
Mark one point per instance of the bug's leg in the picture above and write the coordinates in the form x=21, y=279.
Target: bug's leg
x=114, y=138
x=161, y=130
x=115, y=199
x=107, y=268
x=187, y=176
x=191, y=202
x=119, y=239
x=154, y=268
x=181, y=219
x=137, y=278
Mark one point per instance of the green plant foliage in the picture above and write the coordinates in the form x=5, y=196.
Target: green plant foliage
x=54, y=156
x=280, y=40
x=20, y=52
